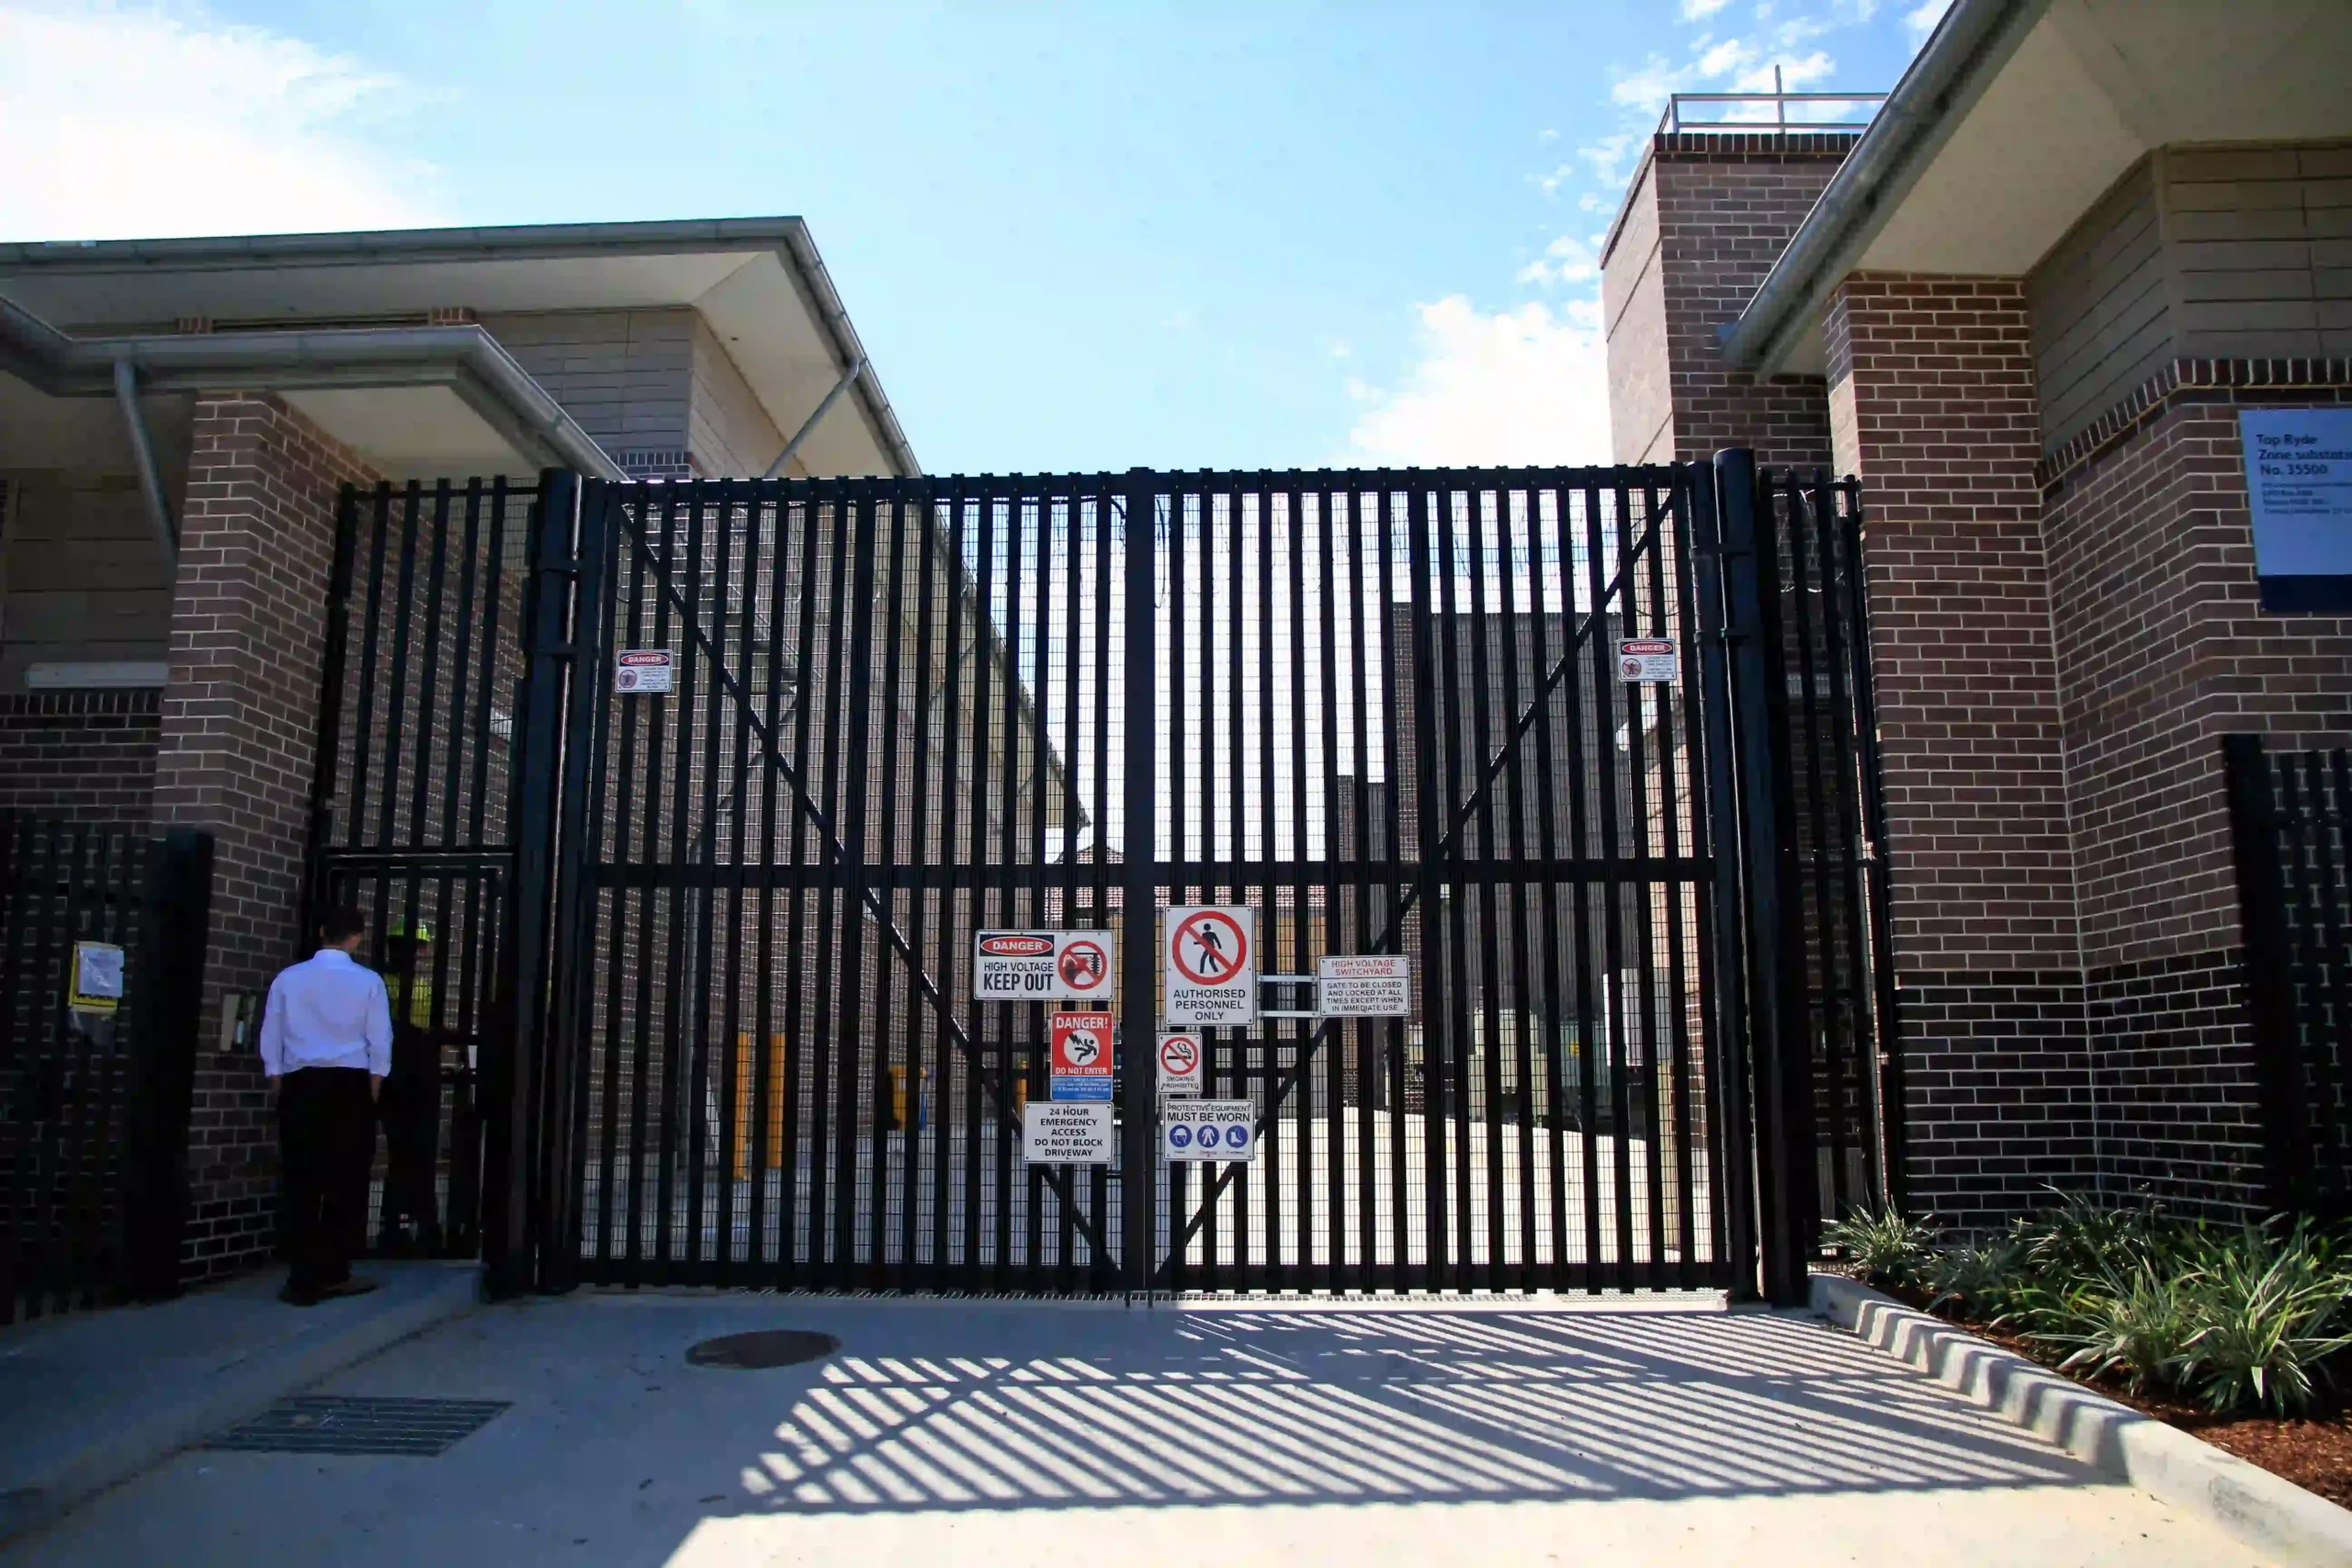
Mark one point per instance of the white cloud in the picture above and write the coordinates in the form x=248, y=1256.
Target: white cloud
x=1923, y=20
x=1698, y=10
x=1565, y=260
x=1528, y=385
x=130, y=123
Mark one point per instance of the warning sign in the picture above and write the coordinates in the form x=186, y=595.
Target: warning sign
x=1208, y=1129
x=1061, y=1134
x=1354, y=986
x=1651, y=659
x=1179, y=1067
x=1080, y=1063
x=1042, y=967
x=1211, y=959
x=643, y=671
x=95, y=983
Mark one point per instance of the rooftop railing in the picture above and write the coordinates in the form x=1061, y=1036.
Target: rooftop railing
x=1784, y=113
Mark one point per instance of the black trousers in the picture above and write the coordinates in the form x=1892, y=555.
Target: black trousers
x=327, y=1131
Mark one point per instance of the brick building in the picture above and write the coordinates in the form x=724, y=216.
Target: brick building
x=2027, y=306
x=176, y=418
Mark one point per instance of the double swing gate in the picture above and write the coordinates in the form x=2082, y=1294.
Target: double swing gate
x=759, y=759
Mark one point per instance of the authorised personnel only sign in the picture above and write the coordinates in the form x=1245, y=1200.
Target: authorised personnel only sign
x=1210, y=955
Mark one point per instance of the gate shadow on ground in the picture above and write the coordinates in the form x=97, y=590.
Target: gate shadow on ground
x=1291, y=1408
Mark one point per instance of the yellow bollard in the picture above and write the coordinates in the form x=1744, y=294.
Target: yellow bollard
x=740, y=1156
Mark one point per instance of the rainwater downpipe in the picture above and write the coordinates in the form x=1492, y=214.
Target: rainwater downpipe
x=143, y=451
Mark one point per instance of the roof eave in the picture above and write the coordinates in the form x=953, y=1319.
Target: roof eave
x=1968, y=47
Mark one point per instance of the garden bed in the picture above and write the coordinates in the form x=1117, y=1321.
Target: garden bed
x=2313, y=1451
x=2240, y=1336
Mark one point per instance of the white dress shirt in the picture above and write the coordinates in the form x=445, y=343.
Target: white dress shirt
x=327, y=1011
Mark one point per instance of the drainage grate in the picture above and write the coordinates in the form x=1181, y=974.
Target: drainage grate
x=335, y=1424
x=762, y=1347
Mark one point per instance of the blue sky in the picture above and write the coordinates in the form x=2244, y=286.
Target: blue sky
x=1071, y=236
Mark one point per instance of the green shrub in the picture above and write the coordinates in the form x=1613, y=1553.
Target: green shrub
x=1884, y=1246
x=2268, y=1311
x=2082, y=1239
x=1989, y=1281
x=2131, y=1322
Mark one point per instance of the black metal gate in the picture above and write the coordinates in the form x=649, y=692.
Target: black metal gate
x=726, y=1004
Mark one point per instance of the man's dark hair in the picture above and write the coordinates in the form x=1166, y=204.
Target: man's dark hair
x=338, y=923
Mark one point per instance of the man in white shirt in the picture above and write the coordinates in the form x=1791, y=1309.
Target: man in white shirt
x=326, y=1042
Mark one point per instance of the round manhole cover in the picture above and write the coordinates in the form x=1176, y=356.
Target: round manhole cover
x=762, y=1347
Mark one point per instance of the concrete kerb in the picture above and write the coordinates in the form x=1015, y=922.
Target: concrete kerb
x=114, y=1434
x=2243, y=1500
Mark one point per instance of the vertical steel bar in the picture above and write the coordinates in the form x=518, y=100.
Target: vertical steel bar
x=1547, y=842
x=1437, y=1010
x=891, y=618
x=617, y=942
x=1139, y=943
x=852, y=813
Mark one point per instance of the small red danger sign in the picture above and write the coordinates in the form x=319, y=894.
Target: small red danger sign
x=1080, y=1042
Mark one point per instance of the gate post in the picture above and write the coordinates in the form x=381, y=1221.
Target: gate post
x=166, y=1021
x=1139, y=899
x=1787, y=1193
x=513, y=1089
x=1728, y=1031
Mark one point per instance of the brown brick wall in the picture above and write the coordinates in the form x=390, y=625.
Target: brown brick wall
x=1711, y=213
x=248, y=626
x=1935, y=388
x=80, y=755
x=2161, y=651
x=1935, y=409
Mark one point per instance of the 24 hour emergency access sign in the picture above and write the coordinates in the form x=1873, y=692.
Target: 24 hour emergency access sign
x=1209, y=952
x=1042, y=967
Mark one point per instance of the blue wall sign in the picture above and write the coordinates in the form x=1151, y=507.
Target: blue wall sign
x=2298, y=484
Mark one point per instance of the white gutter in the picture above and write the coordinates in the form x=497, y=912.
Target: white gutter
x=466, y=359
x=1969, y=47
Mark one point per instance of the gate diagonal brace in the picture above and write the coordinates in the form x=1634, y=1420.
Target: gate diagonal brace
x=1646, y=542
x=1055, y=1177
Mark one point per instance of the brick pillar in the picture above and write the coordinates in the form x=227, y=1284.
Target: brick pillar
x=1704, y=219
x=1932, y=400
x=247, y=635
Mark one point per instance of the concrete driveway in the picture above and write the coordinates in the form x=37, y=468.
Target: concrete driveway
x=953, y=1433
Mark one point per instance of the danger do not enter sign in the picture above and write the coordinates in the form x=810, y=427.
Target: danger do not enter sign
x=1080, y=1046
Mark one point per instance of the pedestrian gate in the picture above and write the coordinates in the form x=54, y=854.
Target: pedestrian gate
x=759, y=759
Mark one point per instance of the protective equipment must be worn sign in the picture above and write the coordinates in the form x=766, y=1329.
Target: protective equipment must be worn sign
x=643, y=671
x=1080, y=1045
x=1181, y=1058
x=1208, y=1130
x=1648, y=658
x=1059, y=1133
x=1364, y=985
x=1043, y=966
x=1210, y=952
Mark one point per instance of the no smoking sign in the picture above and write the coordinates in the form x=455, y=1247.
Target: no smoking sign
x=1210, y=959
x=1179, y=1067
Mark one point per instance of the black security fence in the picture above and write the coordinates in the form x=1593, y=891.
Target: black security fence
x=1585, y=746
x=413, y=815
x=2290, y=817
x=1836, y=824
x=94, y=1107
